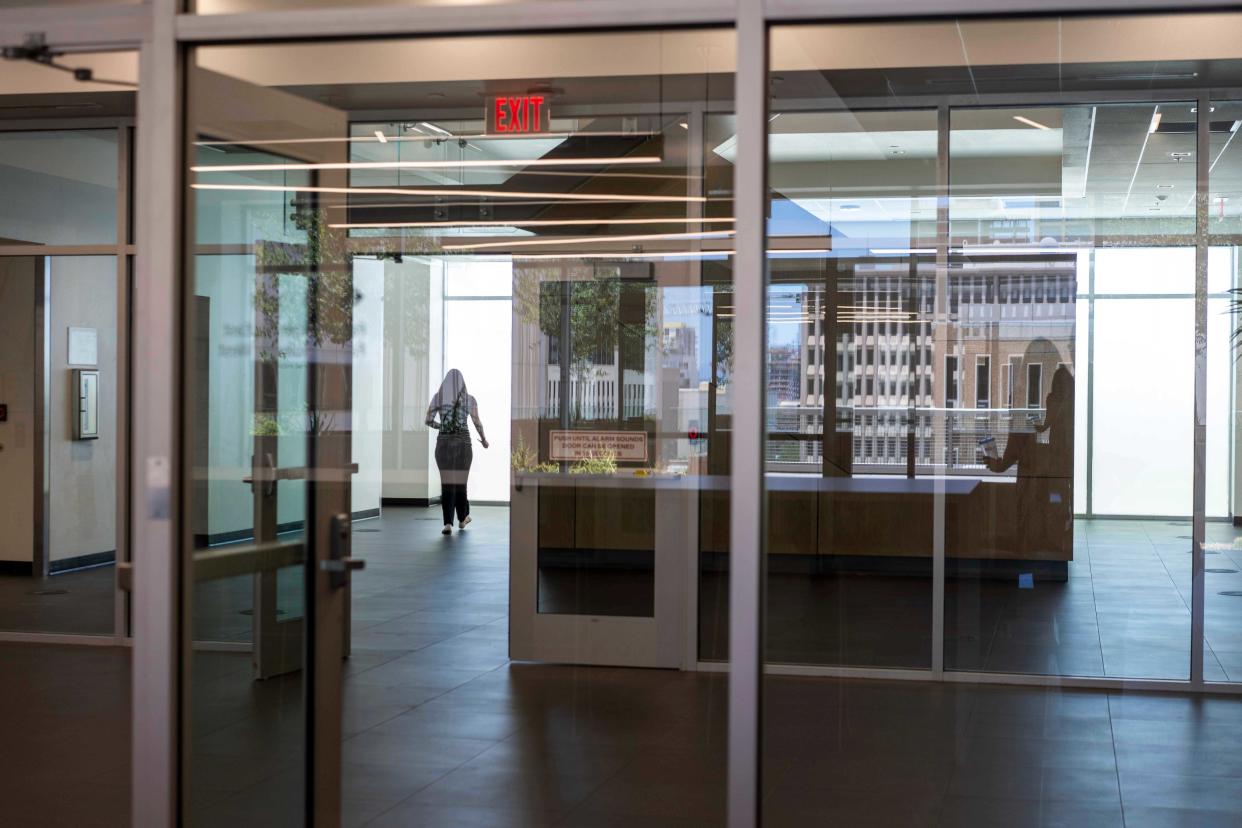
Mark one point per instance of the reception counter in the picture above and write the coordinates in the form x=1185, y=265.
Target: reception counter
x=993, y=525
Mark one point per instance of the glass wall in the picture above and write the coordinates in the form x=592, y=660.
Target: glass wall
x=1223, y=539
x=65, y=255
x=987, y=373
x=64, y=280
x=520, y=269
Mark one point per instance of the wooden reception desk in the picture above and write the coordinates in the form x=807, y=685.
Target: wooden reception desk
x=863, y=523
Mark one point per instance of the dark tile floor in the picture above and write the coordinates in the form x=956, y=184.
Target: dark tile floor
x=1123, y=612
x=442, y=730
x=64, y=736
x=78, y=602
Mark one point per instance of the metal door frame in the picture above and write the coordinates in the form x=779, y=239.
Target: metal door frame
x=156, y=504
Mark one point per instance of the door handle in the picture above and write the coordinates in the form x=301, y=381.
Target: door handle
x=339, y=563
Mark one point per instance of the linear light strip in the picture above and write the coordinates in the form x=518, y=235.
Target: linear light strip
x=682, y=254
x=1138, y=165
x=291, y=188
x=419, y=165
x=1029, y=122
x=367, y=139
x=380, y=225
x=707, y=234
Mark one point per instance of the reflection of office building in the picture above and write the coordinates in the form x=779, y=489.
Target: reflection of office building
x=891, y=360
x=680, y=352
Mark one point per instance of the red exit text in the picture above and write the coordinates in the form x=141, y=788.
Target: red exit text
x=518, y=113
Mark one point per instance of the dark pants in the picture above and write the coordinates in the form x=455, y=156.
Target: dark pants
x=453, y=457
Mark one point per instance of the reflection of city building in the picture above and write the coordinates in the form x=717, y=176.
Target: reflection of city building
x=679, y=344
x=1010, y=324
x=785, y=369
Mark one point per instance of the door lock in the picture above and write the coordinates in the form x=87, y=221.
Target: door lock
x=339, y=564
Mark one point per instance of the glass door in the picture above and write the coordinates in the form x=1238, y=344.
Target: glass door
x=269, y=377
x=595, y=532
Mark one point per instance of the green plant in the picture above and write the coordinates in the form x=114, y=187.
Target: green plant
x=525, y=459
x=603, y=463
x=264, y=425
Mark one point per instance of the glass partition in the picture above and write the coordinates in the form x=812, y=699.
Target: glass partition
x=1223, y=538
x=525, y=264
x=1006, y=300
x=850, y=436
x=64, y=314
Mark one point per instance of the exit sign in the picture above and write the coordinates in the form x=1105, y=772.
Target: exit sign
x=518, y=114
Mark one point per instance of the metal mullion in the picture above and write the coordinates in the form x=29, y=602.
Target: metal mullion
x=696, y=130
x=63, y=249
x=154, y=502
x=123, y=408
x=746, y=500
x=1199, y=496
x=1091, y=297
x=37, y=124
x=939, y=331
x=43, y=418
x=797, y=10
x=512, y=18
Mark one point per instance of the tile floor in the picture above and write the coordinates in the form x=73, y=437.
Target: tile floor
x=1123, y=612
x=79, y=602
x=442, y=730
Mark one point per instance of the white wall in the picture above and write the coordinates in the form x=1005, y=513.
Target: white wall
x=227, y=283
x=478, y=341
x=367, y=420
x=17, y=435
x=412, y=357
x=82, y=473
x=1144, y=383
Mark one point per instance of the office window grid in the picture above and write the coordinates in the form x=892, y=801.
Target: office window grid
x=887, y=387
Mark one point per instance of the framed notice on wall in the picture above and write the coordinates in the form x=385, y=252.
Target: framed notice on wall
x=622, y=446
x=83, y=347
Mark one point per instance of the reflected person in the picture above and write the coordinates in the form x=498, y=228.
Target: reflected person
x=1044, y=456
x=448, y=412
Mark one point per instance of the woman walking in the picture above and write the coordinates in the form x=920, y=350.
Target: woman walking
x=448, y=411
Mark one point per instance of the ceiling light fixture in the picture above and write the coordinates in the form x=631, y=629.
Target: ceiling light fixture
x=1155, y=121
x=437, y=130
x=682, y=254
x=415, y=165
x=421, y=136
x=380, y=136
x=383, y=225
x=1029, y=122
x=410, y=191
x=707, y=234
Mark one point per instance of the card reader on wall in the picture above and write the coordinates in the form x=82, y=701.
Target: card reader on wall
x=86, y=392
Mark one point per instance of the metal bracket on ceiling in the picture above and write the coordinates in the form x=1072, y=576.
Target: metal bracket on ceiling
x=35, y=50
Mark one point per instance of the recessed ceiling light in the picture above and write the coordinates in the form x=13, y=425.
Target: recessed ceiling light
x=851, y=207
x=1030, y=123
x=1164, y=186
x=899, y=152
x=1155, y=121
x=1180, y=155
x=380, y=136
x=1211, y=109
